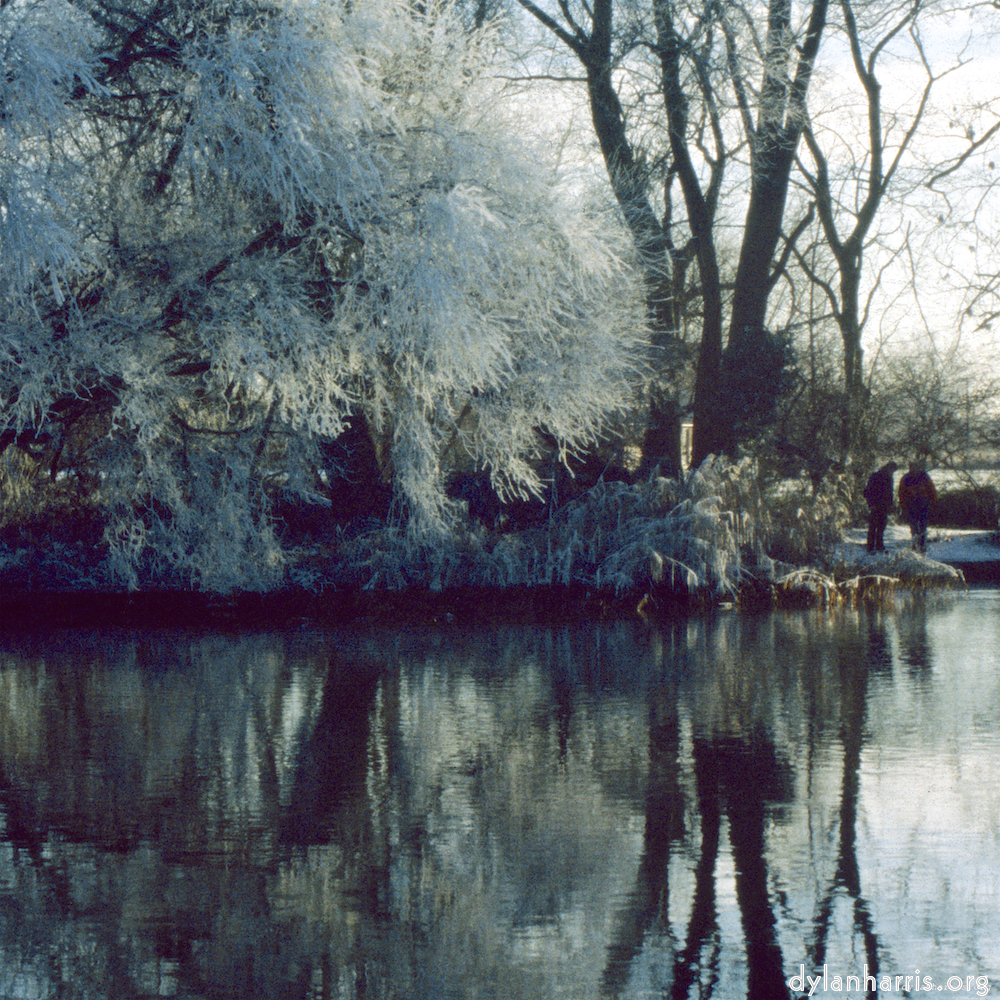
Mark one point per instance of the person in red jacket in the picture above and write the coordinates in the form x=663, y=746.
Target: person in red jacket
x=916, y=494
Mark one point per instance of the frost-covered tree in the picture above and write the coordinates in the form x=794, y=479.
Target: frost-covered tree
x=231, y=230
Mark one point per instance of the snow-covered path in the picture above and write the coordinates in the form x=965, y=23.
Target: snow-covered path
x=944, y=545
x=971, y=552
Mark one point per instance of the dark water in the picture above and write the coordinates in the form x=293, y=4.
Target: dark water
x=696, y=810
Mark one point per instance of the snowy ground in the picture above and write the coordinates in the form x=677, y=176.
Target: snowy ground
x=952, y=556
x=944, y=544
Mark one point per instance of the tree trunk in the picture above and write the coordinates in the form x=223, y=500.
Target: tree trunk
x=781, y=119
x=761, y=234
x=661, y=444
x=700, y=219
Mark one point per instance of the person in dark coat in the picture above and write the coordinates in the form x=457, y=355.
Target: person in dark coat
x=916, y=494
x=878, y=492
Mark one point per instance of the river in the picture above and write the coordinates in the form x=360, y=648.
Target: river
x=730, y=806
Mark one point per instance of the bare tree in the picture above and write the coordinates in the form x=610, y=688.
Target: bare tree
x=939, y=407
x=850, y=176
x=712, y=63
x=604, y=39
x=965, y=189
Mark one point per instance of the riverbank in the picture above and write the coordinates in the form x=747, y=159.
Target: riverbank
x=974, y=554
x=849, y=573
x=417, y=607
x=853, y=575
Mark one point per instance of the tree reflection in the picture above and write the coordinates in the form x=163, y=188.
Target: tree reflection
x=333, y=763
x=915, y=646
x=519, y=815
x=855, y=669
x=740, y=777
x=140, y=804
x=703, y=925
x=664, y=825
x=748, y=775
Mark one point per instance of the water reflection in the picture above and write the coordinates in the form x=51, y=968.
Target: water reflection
x=700, y=810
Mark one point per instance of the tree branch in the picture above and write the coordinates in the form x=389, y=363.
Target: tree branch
x=800, y=228
x=961, y=160
x=576, y=42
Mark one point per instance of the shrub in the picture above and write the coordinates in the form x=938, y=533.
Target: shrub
x=690, y=536
x=805, y=525
x=970, y=507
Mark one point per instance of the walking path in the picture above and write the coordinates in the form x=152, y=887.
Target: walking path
x=973, y=552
